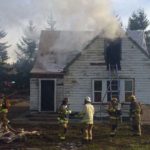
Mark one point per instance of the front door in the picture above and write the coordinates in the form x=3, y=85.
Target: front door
x=47, y=95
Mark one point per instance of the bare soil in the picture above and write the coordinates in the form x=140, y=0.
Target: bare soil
x=48, y=139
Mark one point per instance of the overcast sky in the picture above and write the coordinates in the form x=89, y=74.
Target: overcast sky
x=15, y=14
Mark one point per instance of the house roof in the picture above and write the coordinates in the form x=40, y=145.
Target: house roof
x=59, y=49
x=138, y=37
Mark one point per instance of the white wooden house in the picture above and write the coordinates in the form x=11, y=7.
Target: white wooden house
x=69, y=66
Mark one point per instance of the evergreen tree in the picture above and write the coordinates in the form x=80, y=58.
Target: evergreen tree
x=27, y=48
x=28, y=44
x=3, y=47
x=51, y=22
x=3, y=59
x=138, y=20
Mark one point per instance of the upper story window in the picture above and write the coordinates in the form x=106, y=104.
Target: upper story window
x=97, y=90
x=113, y=53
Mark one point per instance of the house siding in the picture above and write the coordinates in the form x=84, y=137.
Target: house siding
x=78, y=80
x=59, y=92
x=34, y=94
x=136, y=65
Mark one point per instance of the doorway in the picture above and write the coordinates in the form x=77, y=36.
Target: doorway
x=47, y=96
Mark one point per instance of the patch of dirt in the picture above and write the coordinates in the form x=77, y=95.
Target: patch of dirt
x=49, y=140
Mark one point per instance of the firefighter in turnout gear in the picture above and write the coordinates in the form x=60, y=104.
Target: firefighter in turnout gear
x=63, y=118
x=135, y=115
x=87, y=121
x=4, y=111
x=114, y=111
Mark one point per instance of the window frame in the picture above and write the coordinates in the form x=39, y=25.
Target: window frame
x=93, y=90
x=104, y=95
x=110, y=90
x=133, y=88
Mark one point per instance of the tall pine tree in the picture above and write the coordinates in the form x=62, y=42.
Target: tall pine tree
x=3, y=48
x=138, y=20
x=51, y=22
x=27, y=48
x=3, y=59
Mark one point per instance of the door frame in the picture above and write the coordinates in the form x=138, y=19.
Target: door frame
x=40, y=80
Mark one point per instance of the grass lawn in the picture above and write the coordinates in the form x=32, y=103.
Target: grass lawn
x=48, y=139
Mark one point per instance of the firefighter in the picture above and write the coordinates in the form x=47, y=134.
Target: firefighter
x=135, y=116
x=87, y=121
x=4, y=111
x=114, y=111
x=63, y=118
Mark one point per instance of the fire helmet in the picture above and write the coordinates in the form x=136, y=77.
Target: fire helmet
x=114, y=99
x=88, y=99
x=65, y=101
x=132, y=98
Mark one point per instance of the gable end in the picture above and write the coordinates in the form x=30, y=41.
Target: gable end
x=78, y=55
x=140, y=48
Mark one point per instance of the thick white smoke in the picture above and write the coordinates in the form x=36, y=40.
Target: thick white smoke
x=93, y=15
x=69, y=14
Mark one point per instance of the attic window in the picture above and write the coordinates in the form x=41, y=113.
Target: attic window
x=113, y=53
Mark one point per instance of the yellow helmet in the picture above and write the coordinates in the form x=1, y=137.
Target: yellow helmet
x=132, y=98
x=114, y=99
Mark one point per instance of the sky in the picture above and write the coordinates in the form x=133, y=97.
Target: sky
x=126, y=7
x=68, y=14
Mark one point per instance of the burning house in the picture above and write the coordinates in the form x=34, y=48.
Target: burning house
x=69, y=66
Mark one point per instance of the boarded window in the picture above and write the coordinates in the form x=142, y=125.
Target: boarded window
x=128, y=89
x=97, y=91
x=113, y=53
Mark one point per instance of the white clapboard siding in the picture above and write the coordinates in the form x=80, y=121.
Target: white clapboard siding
x=34, y=94
x=78, y=80
x=59, y=92
x=125, y=108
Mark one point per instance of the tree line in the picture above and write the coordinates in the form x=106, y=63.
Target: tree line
x=17, y=76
